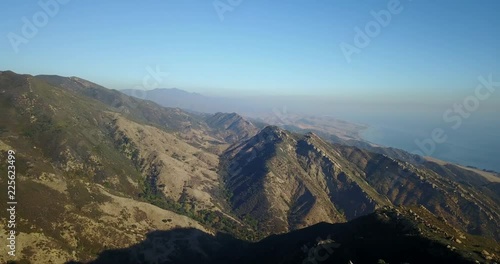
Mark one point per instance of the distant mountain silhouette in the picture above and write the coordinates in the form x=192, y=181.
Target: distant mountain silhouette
x=195, y=102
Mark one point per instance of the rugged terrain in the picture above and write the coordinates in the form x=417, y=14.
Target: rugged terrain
x=389, y=235
x=302, y=179
x=102, y=175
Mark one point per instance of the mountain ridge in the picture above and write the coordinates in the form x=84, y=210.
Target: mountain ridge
x=111, y=168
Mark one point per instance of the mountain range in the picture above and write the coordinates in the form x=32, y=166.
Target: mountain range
x=104, y=177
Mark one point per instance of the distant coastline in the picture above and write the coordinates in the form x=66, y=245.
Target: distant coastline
x=397, y=138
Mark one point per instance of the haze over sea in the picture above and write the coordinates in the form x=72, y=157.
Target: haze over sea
x=474, y=143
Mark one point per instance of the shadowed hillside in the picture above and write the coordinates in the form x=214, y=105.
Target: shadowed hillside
x=395, y=235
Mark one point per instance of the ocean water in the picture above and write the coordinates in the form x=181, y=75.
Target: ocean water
x=476, y=142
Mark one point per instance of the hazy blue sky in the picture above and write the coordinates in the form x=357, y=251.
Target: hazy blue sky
x=429, y=50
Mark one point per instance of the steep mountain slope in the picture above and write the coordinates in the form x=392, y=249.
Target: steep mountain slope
x=456, y=172
x=92, y=156
x=232, y=127
x=77, y=191
x=201, y=130
x=286, y=181
x=348, y=135
x=463, y=203
x=137, y=110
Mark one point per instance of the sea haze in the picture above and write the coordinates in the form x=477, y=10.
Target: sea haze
x=474, y=143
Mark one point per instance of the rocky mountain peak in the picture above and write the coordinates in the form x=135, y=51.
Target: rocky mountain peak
x=273, y=132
